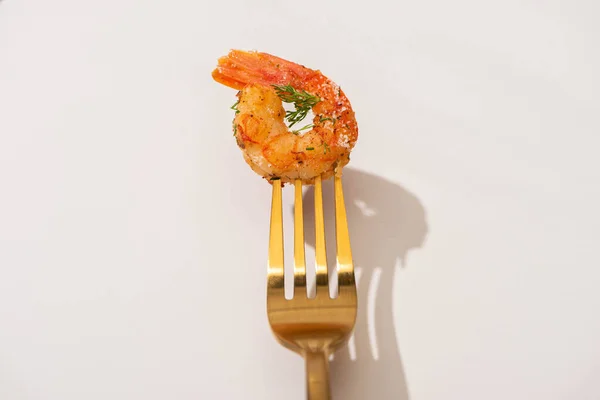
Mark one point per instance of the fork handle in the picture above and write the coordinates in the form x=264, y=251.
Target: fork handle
x=317, y=376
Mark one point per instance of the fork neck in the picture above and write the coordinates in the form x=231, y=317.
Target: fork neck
x=317, y=375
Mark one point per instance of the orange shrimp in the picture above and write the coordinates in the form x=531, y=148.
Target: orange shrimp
x=271, y=148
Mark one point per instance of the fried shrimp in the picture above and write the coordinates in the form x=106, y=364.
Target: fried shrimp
x=272, y=148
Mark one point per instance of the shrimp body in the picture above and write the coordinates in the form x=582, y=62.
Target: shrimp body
x=273, y=150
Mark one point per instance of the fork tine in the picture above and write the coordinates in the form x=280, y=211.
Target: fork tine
x=275, y=264
x=344, y=252
x=299, y=257
x=320, y=252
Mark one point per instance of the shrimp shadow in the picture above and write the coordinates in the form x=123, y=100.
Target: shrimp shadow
x=385, y=222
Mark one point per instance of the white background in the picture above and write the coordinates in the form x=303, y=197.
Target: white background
x=133, y=236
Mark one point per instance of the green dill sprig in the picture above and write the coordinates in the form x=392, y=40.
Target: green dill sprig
x=303, y=101
x=234, y=107
x=323, y=119
x=297, y=131
x=325, y=148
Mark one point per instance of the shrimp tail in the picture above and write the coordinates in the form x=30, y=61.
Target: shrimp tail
x=240, y=68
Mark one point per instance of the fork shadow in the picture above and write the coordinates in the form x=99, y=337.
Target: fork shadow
x=385, y=222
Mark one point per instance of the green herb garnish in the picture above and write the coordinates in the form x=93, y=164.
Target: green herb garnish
x=303, y=101
x=303, y=128
x=323, y=119
x=310, y=148
x=325, y=148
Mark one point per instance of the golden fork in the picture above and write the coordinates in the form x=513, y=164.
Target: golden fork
x=312, y=327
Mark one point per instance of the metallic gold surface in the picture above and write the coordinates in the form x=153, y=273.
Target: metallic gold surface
x=316, y=327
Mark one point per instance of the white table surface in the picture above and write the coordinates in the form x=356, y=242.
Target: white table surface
x=133, y=236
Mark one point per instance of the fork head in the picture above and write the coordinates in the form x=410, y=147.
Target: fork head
x=322, y=323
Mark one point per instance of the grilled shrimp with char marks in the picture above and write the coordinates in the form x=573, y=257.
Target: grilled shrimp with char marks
x=271, y=148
